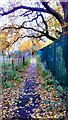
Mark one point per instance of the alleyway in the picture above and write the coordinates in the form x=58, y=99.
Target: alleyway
x=34, y=102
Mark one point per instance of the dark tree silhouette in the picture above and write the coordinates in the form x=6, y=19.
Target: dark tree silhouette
x=38, y=15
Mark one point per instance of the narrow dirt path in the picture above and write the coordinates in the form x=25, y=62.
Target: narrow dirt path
x=33, y=102
x=30, y=100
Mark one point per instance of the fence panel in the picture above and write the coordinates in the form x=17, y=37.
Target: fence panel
x=55, y=58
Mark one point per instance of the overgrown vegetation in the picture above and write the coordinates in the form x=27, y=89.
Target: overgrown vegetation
x=12, y=77
x=48, y=80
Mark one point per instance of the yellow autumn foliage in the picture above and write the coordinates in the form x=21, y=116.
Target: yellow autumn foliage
x=33, y=44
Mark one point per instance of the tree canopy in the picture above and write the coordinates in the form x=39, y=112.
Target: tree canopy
x=38, y=19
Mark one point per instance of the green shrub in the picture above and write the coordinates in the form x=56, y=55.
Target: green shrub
x=9, y=74
x=59, y=88
x=43, y=85
x=50, y=82
x=47, y=88
x=43, y=73
x=17, y=78
x=6, y=85
x=16, y=67
x=6, y=65
x=38, y=66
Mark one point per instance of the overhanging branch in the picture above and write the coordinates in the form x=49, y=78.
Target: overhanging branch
x=24, y=7
x=53, y=12
x=30, y=28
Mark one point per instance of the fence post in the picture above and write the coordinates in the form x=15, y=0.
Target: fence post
x=54, y=59
x=12, y=64
x=23, y=59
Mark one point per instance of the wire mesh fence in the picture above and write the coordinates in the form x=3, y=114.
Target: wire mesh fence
x=55, y=58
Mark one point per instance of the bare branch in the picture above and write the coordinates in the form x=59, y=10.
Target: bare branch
x=19, y=27
x=24, y=7
x=39, y=25
x=53, y=12
x=30, y=28
x=50, y=37
x=46, y=26
x=26, y=13
x=31, y=20
x=1, y=10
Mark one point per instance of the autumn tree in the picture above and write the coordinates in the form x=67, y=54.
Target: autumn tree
x=34, y=19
